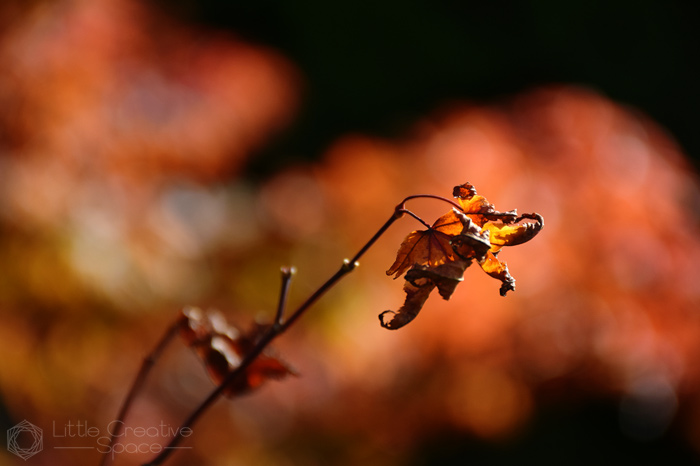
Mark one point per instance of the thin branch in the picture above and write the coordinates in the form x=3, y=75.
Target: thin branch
x=425, y=224
x=430, y=196
x=136, y=386
x=287, y=273
x=214, y=395
x=281, y=326
x=347, y=267
x=272, y=333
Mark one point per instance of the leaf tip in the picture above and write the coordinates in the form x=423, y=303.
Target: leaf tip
x=464, y=191
x=387, y=324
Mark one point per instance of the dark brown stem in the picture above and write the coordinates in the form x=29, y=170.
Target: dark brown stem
x=405, y=211
x=146, y=366
x=280, y=325
x=271, y=334
x=214, y=395
x=347, y=267
x=287, y=273
x=430, y=196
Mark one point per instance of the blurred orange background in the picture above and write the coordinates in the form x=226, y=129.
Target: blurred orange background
x=123, y=196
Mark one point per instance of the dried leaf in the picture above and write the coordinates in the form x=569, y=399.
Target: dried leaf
x=452, y=223
x=420, y=282
x=197, y=327
x=472, y=204
x=416, y=295
x=222, y=348
x=423, y=247
x=438, y=257
x=477, y=207
x=502, y=234
x=498, y=270
x=421, y=279
x=472, y=242
x=263, y=368
x=430, y=247
x=446, y=276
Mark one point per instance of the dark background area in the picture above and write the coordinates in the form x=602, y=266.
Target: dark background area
x=376, y=67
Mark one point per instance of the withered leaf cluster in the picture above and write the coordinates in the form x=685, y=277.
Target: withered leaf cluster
x=437, y=257
x=222, y=348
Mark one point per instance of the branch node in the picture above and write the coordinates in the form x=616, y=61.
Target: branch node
x=349, y=266
x=399, y=210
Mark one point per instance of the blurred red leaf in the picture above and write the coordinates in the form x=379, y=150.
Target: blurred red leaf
x=222, y=348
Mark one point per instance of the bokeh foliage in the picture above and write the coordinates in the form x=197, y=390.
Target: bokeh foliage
x=149, y=159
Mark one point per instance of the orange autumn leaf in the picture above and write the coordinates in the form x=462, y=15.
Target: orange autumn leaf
x=421, y=279
x=437, y=257
x=450, y=223
x=512, y=234
x=498, y=270
x=472, y=204
x=426, y=247
x=477, y=207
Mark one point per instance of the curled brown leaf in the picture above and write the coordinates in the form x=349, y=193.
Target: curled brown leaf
x=498, y=270
x=515, y=233
x=417, y=293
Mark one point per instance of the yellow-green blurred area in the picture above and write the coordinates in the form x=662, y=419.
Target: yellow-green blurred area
x=143, y=167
